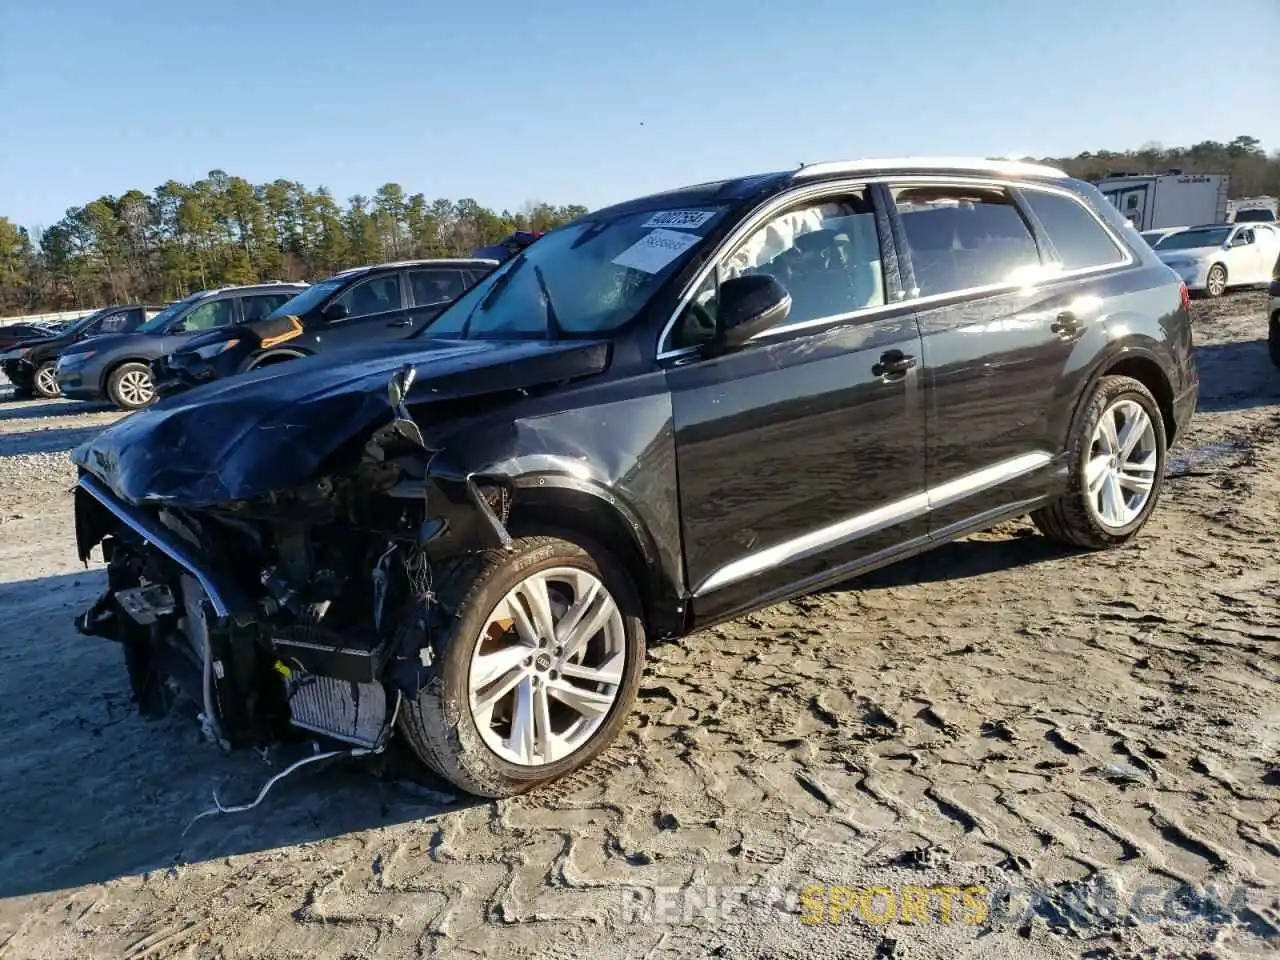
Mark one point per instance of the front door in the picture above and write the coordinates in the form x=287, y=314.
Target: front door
x=801, y=454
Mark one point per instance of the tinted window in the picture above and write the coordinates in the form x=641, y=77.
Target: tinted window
x=826, y=254
x=114, y=322
x=255, y=308
x=1199, y=237
x=436, y=286
x=965, y=237
x=377, y=295
x=215, y=313
x=1076, y=234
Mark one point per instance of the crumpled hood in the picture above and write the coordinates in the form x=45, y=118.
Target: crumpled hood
x=273, y=428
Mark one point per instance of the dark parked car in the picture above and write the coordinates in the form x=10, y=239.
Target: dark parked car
x=30, y=366
x=659, y=416
x=505, y=249
x=385, y=302
x=12, y=334
x=118, y=367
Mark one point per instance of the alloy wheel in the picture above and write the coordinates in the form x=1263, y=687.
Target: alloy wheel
x=46, y=381
x=547, y=667
x=136, y=388
x=1216, y=282
x=1120, y=472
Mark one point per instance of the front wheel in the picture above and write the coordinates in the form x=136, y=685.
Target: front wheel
x=539, y=668
x=130, y=386
x=44, y=383
x=1117, y=454
x=1215, y=284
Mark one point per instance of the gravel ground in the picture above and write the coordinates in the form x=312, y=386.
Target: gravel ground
x=1000, y=713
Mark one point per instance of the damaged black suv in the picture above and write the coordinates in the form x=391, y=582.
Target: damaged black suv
x=661, y=415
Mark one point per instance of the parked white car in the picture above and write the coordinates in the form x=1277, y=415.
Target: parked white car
x=1211, y=258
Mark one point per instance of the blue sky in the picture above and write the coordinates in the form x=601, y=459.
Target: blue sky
x=591, y=102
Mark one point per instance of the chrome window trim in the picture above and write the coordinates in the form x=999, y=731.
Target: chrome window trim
x=746, y=227
x=862, y=524
x=960, y=165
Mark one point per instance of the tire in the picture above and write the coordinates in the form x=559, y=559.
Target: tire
x=440, y=725
x=43, y=383
x=1076, y=518
x=1273, y=340
x=126, y=388
x=1215, y=282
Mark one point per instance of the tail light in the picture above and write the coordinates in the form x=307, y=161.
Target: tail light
x=1184, y=295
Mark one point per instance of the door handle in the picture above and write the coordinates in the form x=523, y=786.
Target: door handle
x=400, y=323
x=893, y=364
x=1065, y=324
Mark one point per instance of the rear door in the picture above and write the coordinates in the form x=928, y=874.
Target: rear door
x=802, y=453
x=997, y=335
x=431, y=290
x=377, y=308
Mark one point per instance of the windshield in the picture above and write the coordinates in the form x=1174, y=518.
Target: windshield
x=1153, y=236
x=309, y=298
x=581, y=280
x=1189, y=239
x=161, y=320
x=1255, y=216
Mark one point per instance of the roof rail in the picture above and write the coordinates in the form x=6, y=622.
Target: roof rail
x=976, y=164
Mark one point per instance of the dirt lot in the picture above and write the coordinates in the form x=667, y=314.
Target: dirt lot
x=1000, y=713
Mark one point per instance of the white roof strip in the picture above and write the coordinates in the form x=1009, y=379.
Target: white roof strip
x=976, y=164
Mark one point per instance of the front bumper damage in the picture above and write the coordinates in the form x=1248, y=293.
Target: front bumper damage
x=254, y=644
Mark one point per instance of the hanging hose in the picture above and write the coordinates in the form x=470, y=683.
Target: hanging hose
x=218, y=808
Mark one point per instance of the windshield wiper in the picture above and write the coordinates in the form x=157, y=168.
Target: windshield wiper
x=488, y=299
x=553, y=319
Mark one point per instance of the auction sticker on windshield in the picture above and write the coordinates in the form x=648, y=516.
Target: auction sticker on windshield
x=655, y=250
x=679, y=219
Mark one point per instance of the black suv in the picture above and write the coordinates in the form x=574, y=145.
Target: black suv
x=118, y=367
x=659, y=416
x=30, y=365
x=384, y=302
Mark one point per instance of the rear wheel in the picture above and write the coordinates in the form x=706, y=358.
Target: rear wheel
x=1215, y=284
x=44, y=383
x=1273, y=340
x=130, y=386
x=1117, y=468
x=538, y=671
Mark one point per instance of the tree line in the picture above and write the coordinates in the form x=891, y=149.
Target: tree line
x=154, y=247
x=159, y=246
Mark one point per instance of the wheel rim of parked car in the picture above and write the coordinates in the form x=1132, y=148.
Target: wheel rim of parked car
x=46, y=380
x=136, y=388
x=547, y=667
x=1217, y=281
x=1121, y=470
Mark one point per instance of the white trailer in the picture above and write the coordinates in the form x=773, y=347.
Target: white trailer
x=1152, y=201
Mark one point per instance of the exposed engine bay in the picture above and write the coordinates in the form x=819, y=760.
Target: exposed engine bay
x=306, y=610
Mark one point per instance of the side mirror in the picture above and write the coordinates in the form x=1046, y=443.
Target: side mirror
x=336, y=311
x=747, y=306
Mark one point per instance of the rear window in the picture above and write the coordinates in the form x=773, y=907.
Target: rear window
x=1076, y=234
x=965, y=237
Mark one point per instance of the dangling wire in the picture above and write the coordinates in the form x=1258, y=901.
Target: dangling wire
x=218, y=808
